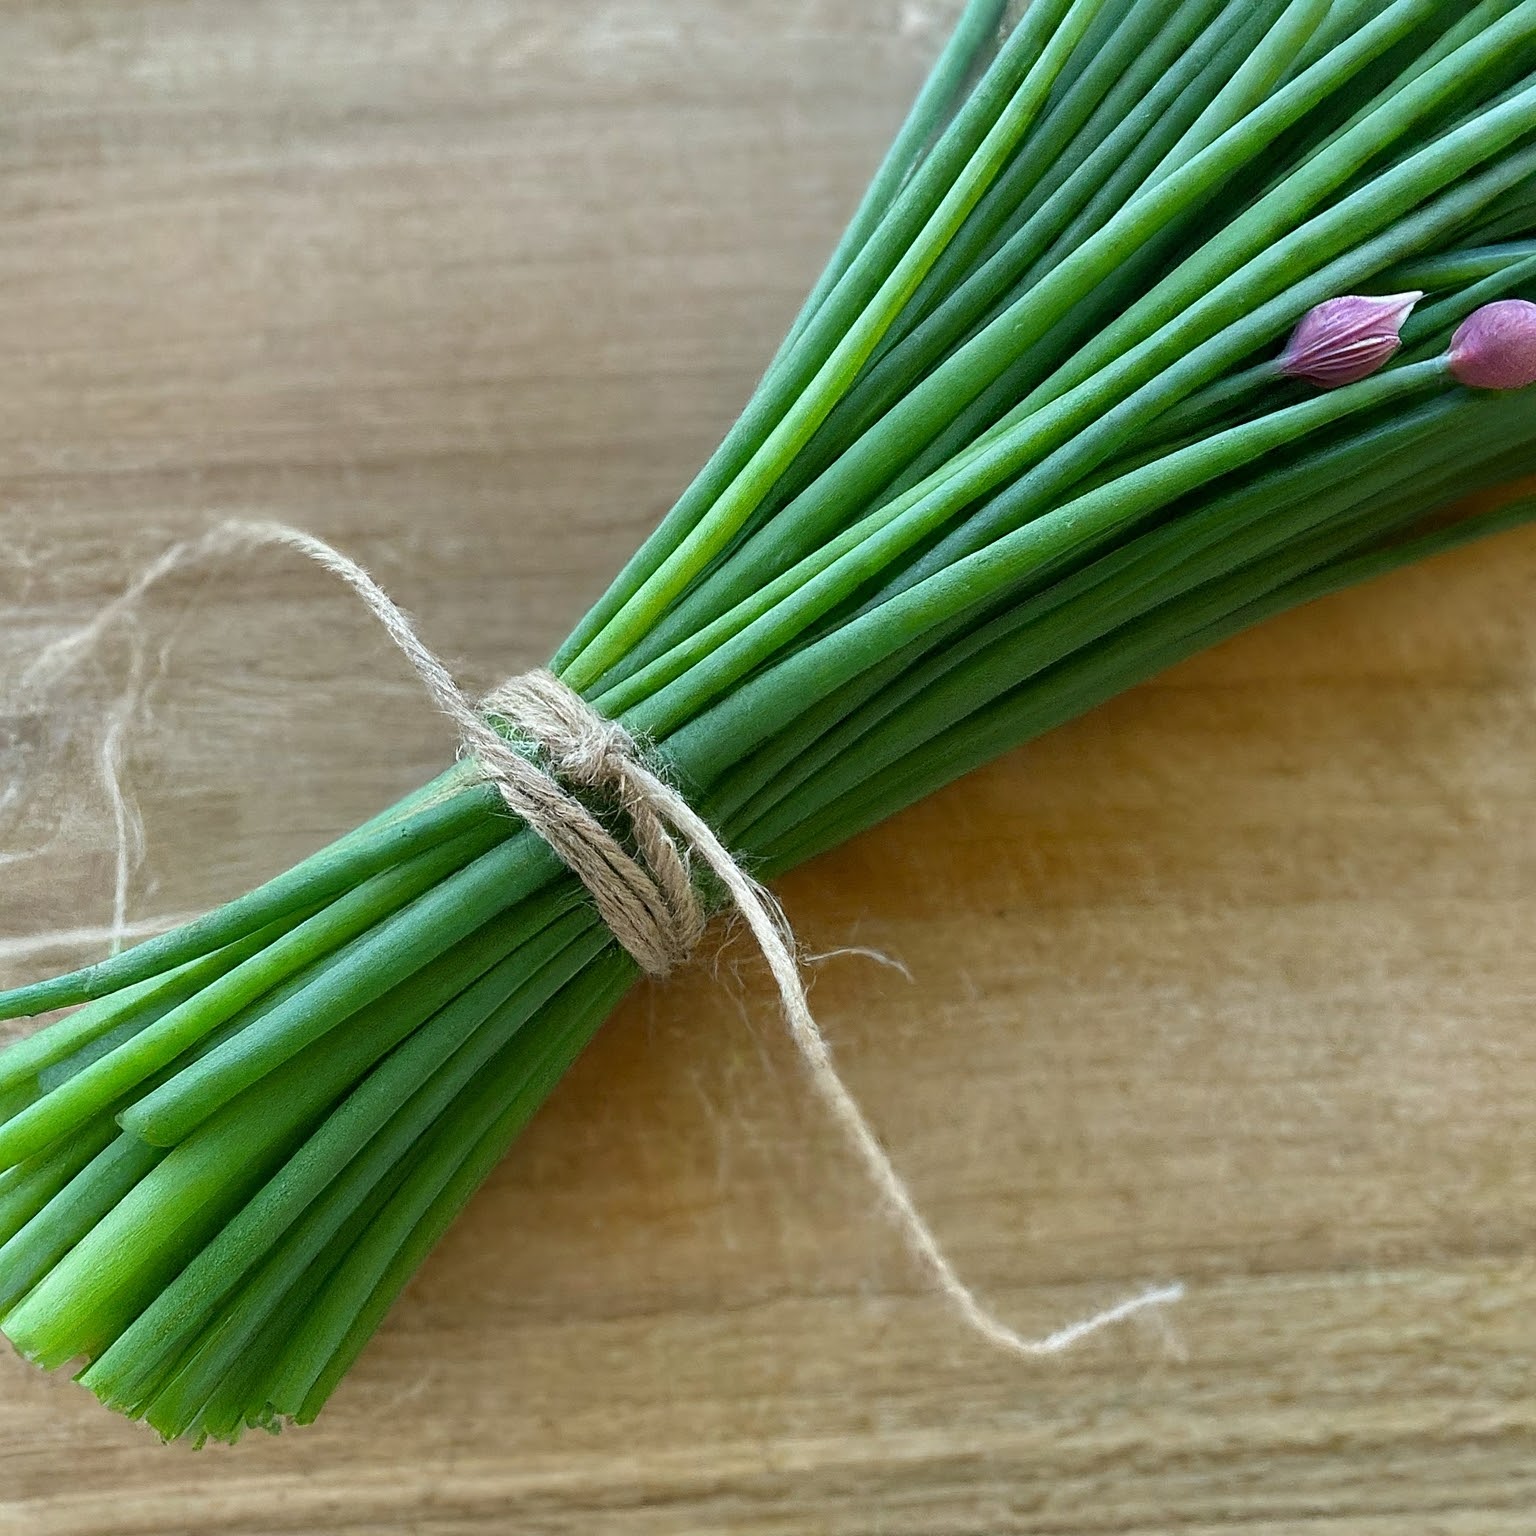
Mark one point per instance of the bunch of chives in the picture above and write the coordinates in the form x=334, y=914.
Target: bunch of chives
x=1031, y=440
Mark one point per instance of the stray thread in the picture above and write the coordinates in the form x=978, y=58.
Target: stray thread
x=127, y=825
x=24, y=946
x=648, y=902
x=859, y=952
x=47, y=671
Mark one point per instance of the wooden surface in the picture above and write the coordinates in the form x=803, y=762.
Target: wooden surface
x=1231, y=982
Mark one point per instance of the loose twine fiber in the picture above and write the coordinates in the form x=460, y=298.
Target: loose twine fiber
x=648, y=900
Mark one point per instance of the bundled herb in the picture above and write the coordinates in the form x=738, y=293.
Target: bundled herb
x=1162, y=316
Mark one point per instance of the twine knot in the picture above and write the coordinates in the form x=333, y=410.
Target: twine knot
x=646, y=894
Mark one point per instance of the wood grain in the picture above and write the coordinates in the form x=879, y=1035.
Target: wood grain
x=1230, y=982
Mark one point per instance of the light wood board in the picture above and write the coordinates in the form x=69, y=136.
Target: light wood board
x=1231, y=982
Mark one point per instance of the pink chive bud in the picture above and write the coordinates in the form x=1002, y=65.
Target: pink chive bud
x=1345, y=340
x=1495, y=346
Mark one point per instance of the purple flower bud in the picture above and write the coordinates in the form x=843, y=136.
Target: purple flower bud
x=1495, y=346
x=1345, y=340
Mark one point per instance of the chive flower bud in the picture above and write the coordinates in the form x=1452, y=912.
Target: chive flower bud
x=1495, y=346
x=1342, y=341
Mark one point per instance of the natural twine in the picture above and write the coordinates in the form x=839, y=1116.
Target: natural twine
x=648, y=899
